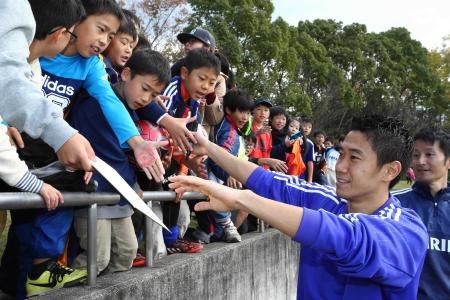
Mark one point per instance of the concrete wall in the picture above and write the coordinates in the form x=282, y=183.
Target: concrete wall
x=262, y=266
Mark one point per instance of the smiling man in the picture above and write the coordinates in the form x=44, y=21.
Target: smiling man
x=357, y=242
x=430, y=198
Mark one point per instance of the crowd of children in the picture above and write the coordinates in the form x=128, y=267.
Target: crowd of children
x=95, y=68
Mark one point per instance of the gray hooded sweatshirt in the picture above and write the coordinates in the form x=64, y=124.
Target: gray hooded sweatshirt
x=22, y=104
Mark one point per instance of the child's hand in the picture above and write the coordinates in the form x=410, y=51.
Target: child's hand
x=148, y=159
x=233, y=183
x=15, y=138
x=52, y=197
x=87, y=177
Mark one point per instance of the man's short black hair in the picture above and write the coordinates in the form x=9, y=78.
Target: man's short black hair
x=278, y=110
x=389, y=139
x=237, y=99
x=149, y=62
x=199, y=58
x=55, y=14
x=128, y=24
x=433, y=134
x=100, y=7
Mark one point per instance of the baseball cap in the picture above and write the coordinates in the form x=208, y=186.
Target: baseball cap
x=264, y=102
x=200, y=34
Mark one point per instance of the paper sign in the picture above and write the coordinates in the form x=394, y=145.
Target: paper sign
x=124, y=189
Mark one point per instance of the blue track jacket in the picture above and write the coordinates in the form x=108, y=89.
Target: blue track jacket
x=435, y=213
x=349, y=256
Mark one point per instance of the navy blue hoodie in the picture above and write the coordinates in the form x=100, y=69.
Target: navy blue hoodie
x=435, y=213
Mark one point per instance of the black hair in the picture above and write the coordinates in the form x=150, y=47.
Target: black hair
x=132, y=17
x=149, y=62
x=142, y=43
x=307, y=120
x=54, y=14
x=430, y=135
x=389, y=139
x=199, y=58
x=224, y=63
x=100, y=7
x=317, y=132
x=278, y=110
x=329, y=139
x=128, y=25
x=237, y=99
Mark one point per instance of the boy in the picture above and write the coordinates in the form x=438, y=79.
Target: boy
x=78, y=68
x=260, y=128
x=197, y=78
x=366, y=246
x=430, y=198
x=237, y=106
x=22, y=105
x=320, y=165
x=308, y=156
x=143, y=78
x=34, y=230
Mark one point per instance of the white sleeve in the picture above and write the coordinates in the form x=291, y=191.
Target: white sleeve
x=14, y=171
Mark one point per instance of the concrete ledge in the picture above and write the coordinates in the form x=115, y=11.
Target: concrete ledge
x=262, y=266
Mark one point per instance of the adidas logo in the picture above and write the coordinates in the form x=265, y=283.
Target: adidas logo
x=54, y=86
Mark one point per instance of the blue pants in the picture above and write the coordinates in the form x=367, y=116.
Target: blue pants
x=44, y=236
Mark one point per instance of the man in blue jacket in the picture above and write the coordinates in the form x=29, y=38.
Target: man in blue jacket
x=357, y=242
x=430, y=198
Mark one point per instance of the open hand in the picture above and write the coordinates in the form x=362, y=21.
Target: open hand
x=148, y=159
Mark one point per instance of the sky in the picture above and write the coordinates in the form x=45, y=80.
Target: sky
x=427, y=21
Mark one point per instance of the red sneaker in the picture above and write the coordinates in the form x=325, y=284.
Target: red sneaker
x=139, y=260
x=183, y=246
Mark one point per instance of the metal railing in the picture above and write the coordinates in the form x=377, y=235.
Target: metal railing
x=92, y=200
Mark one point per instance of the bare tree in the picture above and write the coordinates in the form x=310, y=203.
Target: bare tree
x=161, y=21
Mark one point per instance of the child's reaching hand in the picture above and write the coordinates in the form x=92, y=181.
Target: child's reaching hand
x=52, y=197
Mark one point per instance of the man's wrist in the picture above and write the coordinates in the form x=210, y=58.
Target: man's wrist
x=245, y=199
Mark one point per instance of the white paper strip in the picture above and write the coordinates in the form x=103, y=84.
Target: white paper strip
x=125, y=190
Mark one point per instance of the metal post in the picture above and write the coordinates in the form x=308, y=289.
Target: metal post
x=261, y=226
x=92, y=244
x=149, y=239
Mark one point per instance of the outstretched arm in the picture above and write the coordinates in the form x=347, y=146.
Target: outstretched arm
x=284, y=217
x=233, y=166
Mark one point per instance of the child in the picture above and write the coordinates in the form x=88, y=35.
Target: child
x=308, y=156
x=40, y=240
x=79, y=69
x=263, y=146
x=237, y=106
x=143, y=78
x=320, y=165
x=299, y=146
x=197, y=78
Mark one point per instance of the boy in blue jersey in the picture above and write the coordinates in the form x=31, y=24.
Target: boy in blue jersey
x=430, y=198
x=79, y=68
x=237, y=106
x=197, y=78
x=143, y=78
x=34, y=232
x=366, y=246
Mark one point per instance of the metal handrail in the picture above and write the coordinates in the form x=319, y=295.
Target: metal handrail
x=92, y=200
